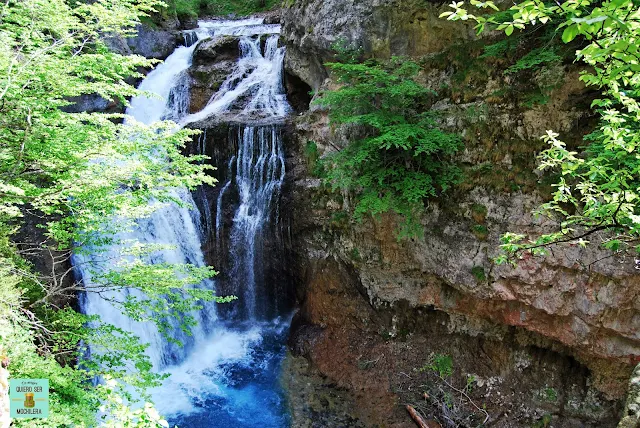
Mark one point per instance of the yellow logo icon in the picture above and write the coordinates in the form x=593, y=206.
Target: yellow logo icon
x=28, y=400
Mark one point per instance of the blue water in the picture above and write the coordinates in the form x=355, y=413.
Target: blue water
x=241, y=389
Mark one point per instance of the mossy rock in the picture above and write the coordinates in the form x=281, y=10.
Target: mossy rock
x=480, y=231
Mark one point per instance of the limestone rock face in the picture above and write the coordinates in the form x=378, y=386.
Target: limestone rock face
x=213, y=61
x=152, y=43
x=379, y=27
x=359, y=280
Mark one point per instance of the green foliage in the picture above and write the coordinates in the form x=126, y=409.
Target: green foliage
x=315, y=165
x=240, y=7
x=75, y=171
x=535, y=99
x=185, y=8
x=346, y=52
x=398, y=156
x=479, y=273
x=195, y=8
x=501, y=49
x=550, y=394
x=597, y=189
x=479, y=212
x=480, y=231
x=534, y=59
x=440, y=364
x=36, y=345
x=545, y=422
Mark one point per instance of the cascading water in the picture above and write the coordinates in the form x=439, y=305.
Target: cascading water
x=259, y=177
x=226, y=375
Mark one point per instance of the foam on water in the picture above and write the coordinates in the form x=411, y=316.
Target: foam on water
x=254, y=90
x=231, y=375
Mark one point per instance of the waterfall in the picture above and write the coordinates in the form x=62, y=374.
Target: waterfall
x=170, y=225
x=221, y=198
x=253, y=98
x=258, y=77
x=226, y=374
x=260, y=173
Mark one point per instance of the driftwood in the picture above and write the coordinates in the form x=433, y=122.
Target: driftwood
x=419, y=421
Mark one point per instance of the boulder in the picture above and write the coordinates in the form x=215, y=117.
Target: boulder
x=213, y=61
x=152, y=43
x=217, y=49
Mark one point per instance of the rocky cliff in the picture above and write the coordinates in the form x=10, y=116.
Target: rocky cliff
x=550, y=342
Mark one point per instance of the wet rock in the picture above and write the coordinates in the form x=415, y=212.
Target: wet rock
x=206, y=80
x=272, y=16
x=313, y=401
x=188, y=22
x=213, y=62
x=631, y=414
x=89, y=104
x=152, y=43
x=217, y=49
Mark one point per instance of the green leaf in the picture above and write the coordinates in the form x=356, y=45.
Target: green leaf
x=570, y=33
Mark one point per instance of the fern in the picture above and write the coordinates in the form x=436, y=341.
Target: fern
x=404, y=157
x=501, y=49
x=533, y=59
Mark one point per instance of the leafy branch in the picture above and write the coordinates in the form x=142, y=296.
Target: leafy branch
x=598, y=189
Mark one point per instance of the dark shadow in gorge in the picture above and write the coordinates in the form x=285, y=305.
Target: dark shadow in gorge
x=275, y=295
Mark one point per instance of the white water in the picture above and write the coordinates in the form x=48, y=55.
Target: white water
x=259, y=175
x=258, y=78
x=160, y=82
x=170, y=225
x=209, y=374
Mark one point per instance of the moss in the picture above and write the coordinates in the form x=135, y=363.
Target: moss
x=480, y=232
x=550, y=394
x=355, y=255
x=479, y=213
x=239, y=7
x=545, y=422
x=195, y=8
x=311, y=153
x=339, y=220
x=479, y=273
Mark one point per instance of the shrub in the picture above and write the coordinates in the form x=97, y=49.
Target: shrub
x=398, y=156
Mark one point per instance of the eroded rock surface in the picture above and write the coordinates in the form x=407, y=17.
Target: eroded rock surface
x=152, y=42
x=631, y=414
x=213, y=60
x=573, y=316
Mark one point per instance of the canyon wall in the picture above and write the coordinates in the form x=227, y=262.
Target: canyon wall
x=552, y=340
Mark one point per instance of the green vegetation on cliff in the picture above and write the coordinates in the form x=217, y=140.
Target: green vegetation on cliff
x=398, y=156
x=598, y=188
x=196, y=8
